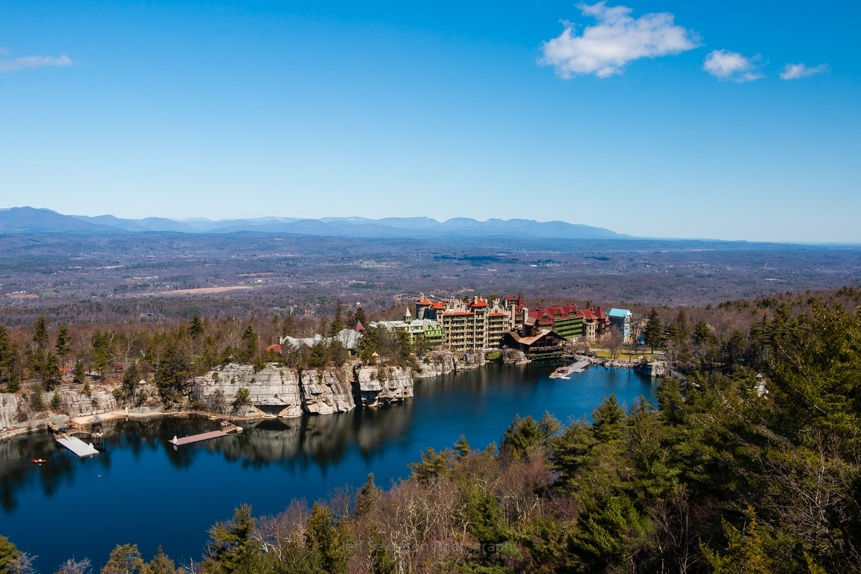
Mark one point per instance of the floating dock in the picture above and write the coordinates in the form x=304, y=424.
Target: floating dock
x=566, y=372
x=77, y=446
x=197, y=438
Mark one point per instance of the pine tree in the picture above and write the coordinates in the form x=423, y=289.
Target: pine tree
x=40, y=333
x=653, y=335
x=368, y=497
x=8, y=358
x=195, y=329
x=125, y=559
x=231, y=548
x=323, y=539
x=63, y=345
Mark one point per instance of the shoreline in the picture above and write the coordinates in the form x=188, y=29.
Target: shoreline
x=81, y=422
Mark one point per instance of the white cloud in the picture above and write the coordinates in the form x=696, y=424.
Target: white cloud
x=617, y=39
x=725, y=65
x=27, y=62
x=795, y=71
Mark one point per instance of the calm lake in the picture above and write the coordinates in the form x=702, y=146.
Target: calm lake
x=142, y=490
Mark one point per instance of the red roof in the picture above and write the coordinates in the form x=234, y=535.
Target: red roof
x=438, y=305
x=424, y=301
x=478, y=303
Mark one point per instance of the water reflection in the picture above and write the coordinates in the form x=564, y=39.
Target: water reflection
x=269, y=463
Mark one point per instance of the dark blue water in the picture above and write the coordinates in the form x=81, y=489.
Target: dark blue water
x=142, y=490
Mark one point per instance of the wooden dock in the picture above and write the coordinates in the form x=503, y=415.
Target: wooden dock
x=77, y=446
x=197, y=438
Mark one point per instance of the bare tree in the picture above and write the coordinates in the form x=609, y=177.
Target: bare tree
x=612, y=340
x=72, y=566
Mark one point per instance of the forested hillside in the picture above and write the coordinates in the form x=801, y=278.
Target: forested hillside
x=754, y=465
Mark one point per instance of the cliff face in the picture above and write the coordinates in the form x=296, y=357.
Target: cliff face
x=8, y=410
x=273, y=390
x=76, y=404
x=327, y=392
x=438, y=363
x=16, y=411
x=384, y=385
x=277, y=390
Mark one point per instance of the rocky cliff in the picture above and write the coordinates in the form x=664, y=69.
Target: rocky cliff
x=8, y=410
x=327, y=391
x=16, y=411
x=275, y=387
x=75, y=403
x=383, y=385
x=438, y=363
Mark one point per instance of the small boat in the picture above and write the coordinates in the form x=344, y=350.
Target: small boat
x=38, y=461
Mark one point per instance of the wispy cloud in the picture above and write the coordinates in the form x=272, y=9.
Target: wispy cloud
x=28, y=62
x=795, y=71
x=617, y=39
x=725, y=65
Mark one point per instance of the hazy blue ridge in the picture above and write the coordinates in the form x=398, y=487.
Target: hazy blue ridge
x=32, y=220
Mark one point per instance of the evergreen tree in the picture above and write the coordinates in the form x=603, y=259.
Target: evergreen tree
x=195, y=328
x=8, y=358
x=160, y=564
x=125, y=559
x=609, y=420
x=173, y=370
x=40, y=333
x=79, y=373
x=368, y=497
x=63, y=345
x=324, y=541
x=249, y=345
x=461, y=447
x=131, y=378
x=101, y=350
x=745, y=551
x=8, y=553
x=231, y=549
x=360, y=317
x=653, y=335
x=338, y=320
x=702, y=334
x=381, y=561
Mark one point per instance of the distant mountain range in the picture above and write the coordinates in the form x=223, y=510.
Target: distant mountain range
x=32, y=220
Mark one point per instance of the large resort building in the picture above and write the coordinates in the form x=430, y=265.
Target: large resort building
x=474, y=324
x=471, y=325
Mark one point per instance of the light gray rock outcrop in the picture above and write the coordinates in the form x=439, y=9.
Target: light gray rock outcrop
x=8, y=410
x=276, y=390
x=652, y=369
x=437, y=363
x=77, y=404
x=272, y=386
x=327, y=391
x=384, y=385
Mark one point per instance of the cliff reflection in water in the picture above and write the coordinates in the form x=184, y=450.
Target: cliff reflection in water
x=17, y=470
x=321, y=440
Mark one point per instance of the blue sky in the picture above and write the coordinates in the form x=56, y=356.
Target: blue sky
x=731, y=120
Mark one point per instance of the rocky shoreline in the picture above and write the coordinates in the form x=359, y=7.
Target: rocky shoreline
x=273, y=391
